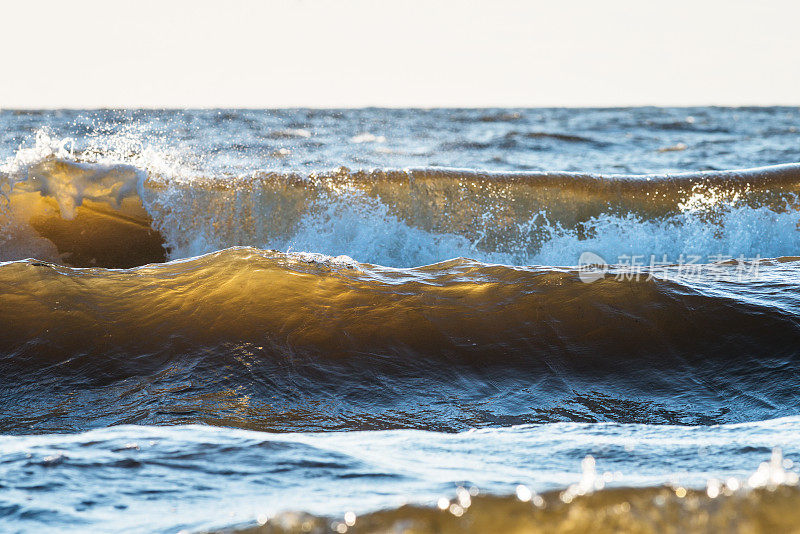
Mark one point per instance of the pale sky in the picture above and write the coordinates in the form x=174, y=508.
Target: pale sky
x=353, y=53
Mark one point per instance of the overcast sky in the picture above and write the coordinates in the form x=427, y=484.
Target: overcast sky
x=352, y=53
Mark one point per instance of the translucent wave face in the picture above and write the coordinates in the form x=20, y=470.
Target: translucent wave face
x=289, y=330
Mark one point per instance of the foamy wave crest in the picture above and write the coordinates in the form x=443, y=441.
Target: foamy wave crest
x=120, y=208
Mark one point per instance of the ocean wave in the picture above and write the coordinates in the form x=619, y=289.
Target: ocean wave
x=460, y=307
x=97, y=210
x=270, y=334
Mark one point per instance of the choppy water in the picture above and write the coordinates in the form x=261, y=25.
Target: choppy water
x=210, y=319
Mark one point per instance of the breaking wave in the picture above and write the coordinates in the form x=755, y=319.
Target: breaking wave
x=91, y=209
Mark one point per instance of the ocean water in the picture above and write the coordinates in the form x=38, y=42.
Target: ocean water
x=448, y=320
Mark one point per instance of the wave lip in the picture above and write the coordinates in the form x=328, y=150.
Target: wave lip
x=77, y=213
